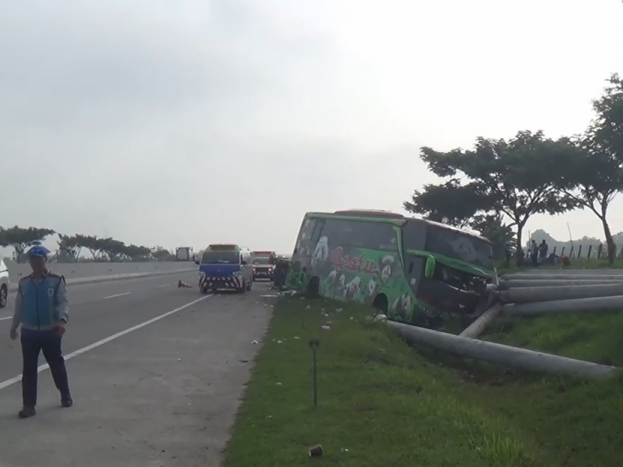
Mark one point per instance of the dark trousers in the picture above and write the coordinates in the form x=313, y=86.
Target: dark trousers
x=49, y=343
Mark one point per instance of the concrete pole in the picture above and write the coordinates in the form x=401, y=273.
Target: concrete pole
x=567, y=271
x=505, y=284
x=560, y=306
x=505, y=355
x=565, y=292
x=566, y=276
x=477, y=327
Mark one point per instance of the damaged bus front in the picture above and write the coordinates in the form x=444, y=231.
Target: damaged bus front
x=451, y=269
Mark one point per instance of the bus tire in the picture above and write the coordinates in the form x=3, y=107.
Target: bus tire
x=380, y=304
x=313, y=288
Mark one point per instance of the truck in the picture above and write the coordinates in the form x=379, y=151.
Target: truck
x=184, y=253
x=412, y=270
x=225, y=266
x=263, y=262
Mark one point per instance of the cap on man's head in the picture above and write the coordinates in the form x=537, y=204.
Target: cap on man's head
x=38, y=250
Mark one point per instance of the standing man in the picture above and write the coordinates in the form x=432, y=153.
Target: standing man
x=543, y=248
x=41, y=308
x=534, y=253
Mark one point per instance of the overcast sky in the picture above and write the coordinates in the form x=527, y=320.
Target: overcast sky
x=189, y=122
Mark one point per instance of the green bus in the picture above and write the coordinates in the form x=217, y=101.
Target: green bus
x=413, y=270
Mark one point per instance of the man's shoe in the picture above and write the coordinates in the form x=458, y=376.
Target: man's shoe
x=67, y=403
x=27, y=412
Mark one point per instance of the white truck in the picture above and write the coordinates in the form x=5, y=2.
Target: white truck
x=184, y=253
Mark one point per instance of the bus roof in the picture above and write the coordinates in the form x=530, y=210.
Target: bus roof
x=391, y=217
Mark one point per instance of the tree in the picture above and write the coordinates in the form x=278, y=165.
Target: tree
x=514, y=175
x=22, y=238
x=450, y=203
x=92, y=244
x=69, y=247
x=492, y=227
x=592, y=176
x=161, y=254
x=137, y=253
x=598, y=172
x=111, y=248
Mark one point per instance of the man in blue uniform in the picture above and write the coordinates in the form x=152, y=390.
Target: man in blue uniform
x=41, y=308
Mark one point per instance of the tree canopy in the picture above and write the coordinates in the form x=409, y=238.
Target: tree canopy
x=71, y=246
x=529, y=174
x=510, y=177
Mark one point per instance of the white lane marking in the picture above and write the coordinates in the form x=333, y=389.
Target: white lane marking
x=5, y=318
x=117, y=295
x=164, y=285
x=17, y=379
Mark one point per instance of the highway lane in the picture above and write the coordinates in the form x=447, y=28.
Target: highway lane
x=85, y=293
x=164, y=393
x=99, y=310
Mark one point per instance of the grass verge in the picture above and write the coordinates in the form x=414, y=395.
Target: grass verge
x=383, y=403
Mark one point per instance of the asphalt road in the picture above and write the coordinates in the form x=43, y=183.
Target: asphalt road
x=156, y=373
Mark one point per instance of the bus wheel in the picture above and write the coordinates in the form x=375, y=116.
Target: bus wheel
x=313, y=288
x=380, y=304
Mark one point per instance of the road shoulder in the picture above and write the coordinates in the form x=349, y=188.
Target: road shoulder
x=164, y=395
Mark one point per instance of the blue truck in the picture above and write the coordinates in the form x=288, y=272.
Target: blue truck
x=225, y=266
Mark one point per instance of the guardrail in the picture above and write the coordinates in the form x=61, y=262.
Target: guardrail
x=82, y=273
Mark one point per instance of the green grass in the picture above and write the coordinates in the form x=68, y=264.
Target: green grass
x=576, y=263
x=593, y=336
x=382, y=403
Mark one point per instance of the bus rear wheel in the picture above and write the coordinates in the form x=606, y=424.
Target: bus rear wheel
x=313, y=288
x=380, y=305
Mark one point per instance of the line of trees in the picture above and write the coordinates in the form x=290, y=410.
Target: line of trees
x=496, y=187
x=70, y=247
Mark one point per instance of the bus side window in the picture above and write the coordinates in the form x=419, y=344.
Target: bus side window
x=313, y=239
x=305, y=233
x=377, y=236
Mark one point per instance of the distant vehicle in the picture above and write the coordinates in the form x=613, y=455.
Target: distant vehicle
x=184, y=253
x=4, y=284
x=225, y=266
x=414, y=271
x=263, y=264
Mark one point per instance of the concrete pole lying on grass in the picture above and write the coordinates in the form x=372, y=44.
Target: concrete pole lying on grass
x=537, y=271
x=561, y=306
x=565, y=292
x=477, y=327
x=574, y=277
x=513, y=357
x=506, y=284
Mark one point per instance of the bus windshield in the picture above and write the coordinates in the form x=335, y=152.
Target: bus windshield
x=220, y=257
x=457, y=245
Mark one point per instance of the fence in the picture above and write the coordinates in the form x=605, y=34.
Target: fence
x=586, y=252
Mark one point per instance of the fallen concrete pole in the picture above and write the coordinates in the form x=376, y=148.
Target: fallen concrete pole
x=561, y=306
x=477, y=327
x=566, y=271
x=505, y=355
x=565, y=292
x=549, y=270
x=504, y=284
x=565, y=276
